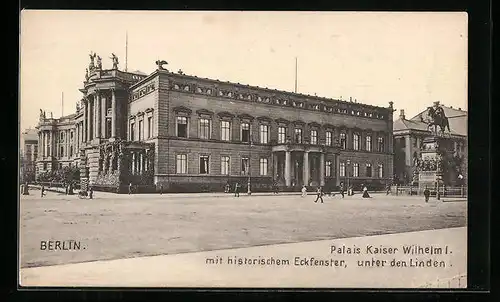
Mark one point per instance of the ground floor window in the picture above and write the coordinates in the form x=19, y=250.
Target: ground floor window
x=181, y=167
x=224, y=168
x=368, y=170
x=328, y=168
x=245, y=165
x=355, y=170
x=342, y=169
x=204, y=164
x=263, y=166
x=380, y=170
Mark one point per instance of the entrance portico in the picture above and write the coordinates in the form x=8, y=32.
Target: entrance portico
x=300, y=164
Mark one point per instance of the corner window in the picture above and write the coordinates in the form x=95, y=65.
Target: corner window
x=328, y=138
x=298, y=136
x=204, y=164
x=281, y=135
x=181, y=163
x=225, y=127
x=204, y=128
x=314, y=137
x=264, y=134
x=245, y=132
x=263, y=166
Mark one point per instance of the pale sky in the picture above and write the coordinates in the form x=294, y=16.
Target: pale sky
x=411, y=59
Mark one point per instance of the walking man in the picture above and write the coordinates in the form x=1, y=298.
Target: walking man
x=427, y=193
x=388, y=189
x=237, y=189
x=275, y=185
x=42, y=189
x=130, y=188
x=319, y=195
x=304, y=191
x=342, y=189
x=91, y=193
x=161, y=189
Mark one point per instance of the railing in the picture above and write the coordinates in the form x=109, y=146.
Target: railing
x=443, y=191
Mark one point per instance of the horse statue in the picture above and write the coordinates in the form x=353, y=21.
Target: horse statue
x=437, y=118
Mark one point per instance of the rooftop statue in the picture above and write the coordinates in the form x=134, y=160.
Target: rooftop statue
x=114, y=58
x=160, y=64
x=99, y=62
x=86, y=74
x=92, y=57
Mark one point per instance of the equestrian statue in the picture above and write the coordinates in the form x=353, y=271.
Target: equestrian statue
x=437, y=118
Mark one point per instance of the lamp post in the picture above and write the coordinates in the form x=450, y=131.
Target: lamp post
x=347, y=174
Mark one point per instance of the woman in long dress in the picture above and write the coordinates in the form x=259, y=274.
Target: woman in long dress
x=365, y=192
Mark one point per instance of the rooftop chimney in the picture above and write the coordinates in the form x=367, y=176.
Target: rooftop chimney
x=459, y=108
x=402, y=114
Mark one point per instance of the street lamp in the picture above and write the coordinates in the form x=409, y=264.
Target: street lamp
x=249, y=191
x=347, y=174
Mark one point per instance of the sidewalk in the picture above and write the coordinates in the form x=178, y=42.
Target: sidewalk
x=221, y=268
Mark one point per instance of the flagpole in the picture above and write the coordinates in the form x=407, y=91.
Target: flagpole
x=295, y=74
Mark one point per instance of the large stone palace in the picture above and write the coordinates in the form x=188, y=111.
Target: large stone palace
x=186, y=133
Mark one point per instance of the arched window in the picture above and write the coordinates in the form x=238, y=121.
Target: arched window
x=355, y=141
x=368, y=143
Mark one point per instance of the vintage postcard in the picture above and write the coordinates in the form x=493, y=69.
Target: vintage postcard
x=243, y=149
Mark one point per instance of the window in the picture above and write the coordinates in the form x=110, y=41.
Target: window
x=61, y=151
x=141, y=128
x=225, y=127
x=70, y=151
x=45, y=166
x=355, y=141
x=314, y=137
x=298, y=135
x=328, y=138
x=204, y=128
x=355, y=170
x=328, y=168
x=263, y=166
x=245, y=132
x=380, y=144
x=60, y=166
x=182, y=126
x=62, y=137
x=204, y=164
x=132, y=131
x=368, y=143
x=368, y=170
x=380, y=170
x=342, y=140
x=181, y=167
x=224, y=165
x=264, y=134
x=281, y=135
x=245, y=165
x=150, y=126
x=342, y=169
x=71, y=135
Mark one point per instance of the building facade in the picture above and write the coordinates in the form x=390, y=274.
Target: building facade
x=414, y=139
x=28, y=155
x=185, y=133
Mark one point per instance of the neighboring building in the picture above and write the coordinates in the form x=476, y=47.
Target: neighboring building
x=197, y=134
x=28, y=156
x=409, y=135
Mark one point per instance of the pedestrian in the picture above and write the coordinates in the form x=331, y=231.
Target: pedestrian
x=227, y=188
x=319, y=194
x=304, y=191
x=42, y=189
x=342, y=189
x=91, y=193
x=427, y=193
x=276, y=188
x=237, y=189
x=365, y=192
x=388, y=189
x=161, y=189
x=130, y=188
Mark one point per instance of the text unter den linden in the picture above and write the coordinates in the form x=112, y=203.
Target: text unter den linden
x=341, y=256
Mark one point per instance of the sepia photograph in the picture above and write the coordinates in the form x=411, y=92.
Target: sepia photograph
x=243, y=149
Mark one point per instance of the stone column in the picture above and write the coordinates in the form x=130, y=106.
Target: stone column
x=288, y=166
x=90, y=132
x=85, y=123
x=103, y=117
x=408, y=155
x=305, y=172
x=322, y=169
x=113, y=113
x=275, y=165
x=337, y=170
x=97, y=112
x=133, y=162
